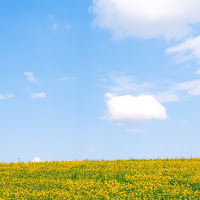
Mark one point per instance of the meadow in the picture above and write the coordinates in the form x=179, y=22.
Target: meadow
x=120, y=179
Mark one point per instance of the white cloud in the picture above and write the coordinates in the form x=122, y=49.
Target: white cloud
x=192, y=87
x=40, y=95
x=147, y=18
x=129, y=108
x=6, y=96
x=36, y=160
x=30, y=76
x=188, y=50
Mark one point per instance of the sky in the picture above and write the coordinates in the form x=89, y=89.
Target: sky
x=99, y=79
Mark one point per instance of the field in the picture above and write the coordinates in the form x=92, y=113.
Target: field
x=121, y=179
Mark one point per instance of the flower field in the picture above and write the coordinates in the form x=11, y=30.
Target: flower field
x=121, y=179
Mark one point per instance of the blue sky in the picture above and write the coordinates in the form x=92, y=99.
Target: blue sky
x=99, y=79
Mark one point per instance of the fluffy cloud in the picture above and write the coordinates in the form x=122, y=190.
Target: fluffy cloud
x=188, y=50
x=40, y=95
x=147, y=19
x=192, y=87
x=30, y=76
x=6, y=96
x=36, y=160
x=129, y=108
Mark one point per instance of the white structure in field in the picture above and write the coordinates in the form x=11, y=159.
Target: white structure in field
x=36, y=160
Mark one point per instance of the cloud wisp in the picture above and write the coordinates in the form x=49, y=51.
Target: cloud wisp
x=55, y=26
x=6, y=96
x=30, y=76
x=188, y=50
x=146, y=19
x=40, y=95
x=123, y=84
x=191, y=87
x=168, y=96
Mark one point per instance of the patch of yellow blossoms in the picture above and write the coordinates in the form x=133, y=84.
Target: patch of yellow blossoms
x=121, y=179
